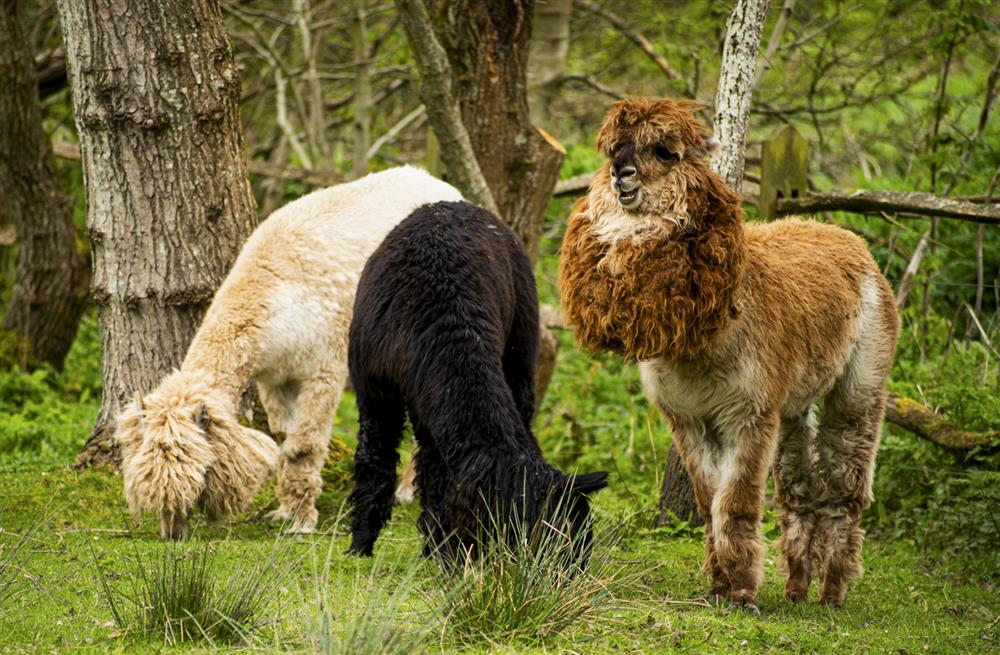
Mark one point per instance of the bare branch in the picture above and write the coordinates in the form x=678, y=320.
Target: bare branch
x=863, y=201
x=633, y=36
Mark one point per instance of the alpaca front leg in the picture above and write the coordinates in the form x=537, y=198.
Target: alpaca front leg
x=738, y=505
x=381, y=415
x=303, y=454
x=694, y=440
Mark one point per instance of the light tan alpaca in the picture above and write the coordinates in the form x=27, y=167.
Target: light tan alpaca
x=740, y=330
x=280, y=318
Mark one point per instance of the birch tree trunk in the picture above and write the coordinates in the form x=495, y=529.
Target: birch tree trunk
x=547, y=57
x=50, y=283
x=156, y=98
x=736, y=81
x=732, y=120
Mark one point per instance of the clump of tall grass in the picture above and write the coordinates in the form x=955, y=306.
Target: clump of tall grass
x=373, y=613
x=528, y=584
x=177, y=592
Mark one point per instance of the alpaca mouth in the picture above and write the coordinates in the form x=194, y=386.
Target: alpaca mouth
x=629, y=199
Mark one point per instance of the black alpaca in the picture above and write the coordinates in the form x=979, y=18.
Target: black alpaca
x=445, y=330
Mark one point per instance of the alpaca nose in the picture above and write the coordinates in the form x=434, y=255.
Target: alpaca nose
x=623, y=178
x=626, y=172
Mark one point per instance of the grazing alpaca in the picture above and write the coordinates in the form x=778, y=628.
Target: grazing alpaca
x=280, y=318
x=445, y=330
x=739, y=331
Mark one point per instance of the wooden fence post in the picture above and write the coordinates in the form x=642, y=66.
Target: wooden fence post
x=783, y=170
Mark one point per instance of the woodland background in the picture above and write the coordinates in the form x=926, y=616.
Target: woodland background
x=894, y=96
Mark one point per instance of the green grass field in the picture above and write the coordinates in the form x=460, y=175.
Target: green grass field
x=904, y=604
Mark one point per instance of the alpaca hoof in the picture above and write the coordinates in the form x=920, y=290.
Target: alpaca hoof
x=832, y=595
x=301, y=528
x=404, y=495
x=749, y=608
x=278, y=515
x=796, y=592
x=358, y=551
x=745, y=600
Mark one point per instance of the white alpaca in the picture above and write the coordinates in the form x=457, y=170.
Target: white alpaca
x=280, y=319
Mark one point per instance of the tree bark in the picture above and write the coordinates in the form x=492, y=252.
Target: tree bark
x=547, y=57
x=736, y=80
x=732, y=120
x=156, y=97
x=486, y=42
x=50, y=284
x=677, y=496
x=362, y=90
x=473, y=62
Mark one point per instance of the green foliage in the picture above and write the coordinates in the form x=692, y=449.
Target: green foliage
x=45, y=416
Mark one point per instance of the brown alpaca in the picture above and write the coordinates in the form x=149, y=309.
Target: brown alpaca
x=740, y=330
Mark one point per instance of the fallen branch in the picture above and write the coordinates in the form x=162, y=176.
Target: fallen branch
x=917, y=203
x=924, y=422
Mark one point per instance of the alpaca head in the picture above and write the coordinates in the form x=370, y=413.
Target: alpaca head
x=519, y=501
x=655, y=151
x=183, y=448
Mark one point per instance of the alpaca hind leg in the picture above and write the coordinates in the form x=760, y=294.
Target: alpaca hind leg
x=304, y=452
x=381, y=413
x=279, y=401
x=739, y=503
x=847, y=442
x=794, y=497
x=407, y=489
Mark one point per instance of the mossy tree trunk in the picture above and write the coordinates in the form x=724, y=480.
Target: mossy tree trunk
x=50, y=283
x=156, y=98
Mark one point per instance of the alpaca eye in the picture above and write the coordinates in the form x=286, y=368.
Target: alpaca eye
x=664, y=154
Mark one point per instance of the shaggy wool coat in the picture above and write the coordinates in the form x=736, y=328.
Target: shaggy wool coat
x=739, y=330
x=445, y=330
x=280, y=318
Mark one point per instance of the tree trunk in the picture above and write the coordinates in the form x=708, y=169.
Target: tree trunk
x=732, y=120
x=547, y=57
x=362, y=91
x=156, y=97
x=677, y=496
x=736, y=80
x=487, y=46
x=482, y=78
x=50, y=284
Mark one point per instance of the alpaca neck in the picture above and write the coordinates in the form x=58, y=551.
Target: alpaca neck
x=225, y=347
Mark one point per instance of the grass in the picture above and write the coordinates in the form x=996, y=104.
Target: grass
x=904, y=603
x=174, y=592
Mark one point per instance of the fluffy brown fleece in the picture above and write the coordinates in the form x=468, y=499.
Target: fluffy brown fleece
x=740, y=330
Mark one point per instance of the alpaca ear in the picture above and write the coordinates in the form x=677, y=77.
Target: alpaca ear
x=588, y=483
x=711, y=145
x=201, y=417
